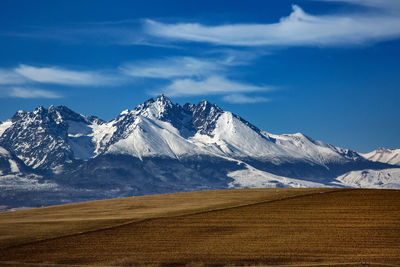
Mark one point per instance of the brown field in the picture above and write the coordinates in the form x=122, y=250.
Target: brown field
x=23, y=226
x=226, y=227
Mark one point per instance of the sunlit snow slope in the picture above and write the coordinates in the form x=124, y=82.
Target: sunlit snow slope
x=385, y=155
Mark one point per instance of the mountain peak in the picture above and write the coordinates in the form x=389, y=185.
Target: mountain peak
x=148, y=102
x=18, y=115
x=203, y=102
x=160, y=108
x=206, y=104
x=205, y=116
x=67, y=114
x=40, y=110
x=163, y=99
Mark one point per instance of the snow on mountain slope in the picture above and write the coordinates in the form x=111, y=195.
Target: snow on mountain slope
x=4, y=126
x=232, y=138
x=385, y=155
x=4, y=152
x=238, y=138
x=386, y=178
x=161, y=147
x=254, y=178
x=7, y=163
x=313, y=150
x=48, y=138
x=101, y=135
x=149, y=138
x=159, y=127
x=164, y=110
x=79, y=139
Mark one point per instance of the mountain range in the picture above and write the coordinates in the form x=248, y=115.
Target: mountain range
x=55, y=155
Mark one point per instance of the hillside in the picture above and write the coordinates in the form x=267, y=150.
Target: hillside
x=262, y=226
x=18, y=227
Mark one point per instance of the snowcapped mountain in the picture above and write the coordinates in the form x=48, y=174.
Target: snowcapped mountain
x=385, y=155
x=160, y=128
x=162, y=147
x=384, y=178
x=48, y=138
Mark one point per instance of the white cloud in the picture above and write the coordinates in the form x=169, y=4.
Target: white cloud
x=297, y=29
x=211, y=85
x=31, y=93
x=243, y=99
x=57, y=75
x=199, y=76
x=172, y=67
x=236, y=57
x=10, y=77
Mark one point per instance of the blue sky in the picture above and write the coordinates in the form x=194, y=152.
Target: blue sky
x=327, y=68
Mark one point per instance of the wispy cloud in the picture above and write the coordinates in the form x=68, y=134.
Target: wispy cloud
x=173, y=67
x=235, y=57
x=297, y=29
x=10, y=77
x=22, y=81
x=57, y=75
x=31, y=93
x=189, y=76
x=243, y=99
x=215, y=85
x=126, y=32
x=388, y=5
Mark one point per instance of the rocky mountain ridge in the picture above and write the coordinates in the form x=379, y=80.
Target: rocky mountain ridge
x=161, y=147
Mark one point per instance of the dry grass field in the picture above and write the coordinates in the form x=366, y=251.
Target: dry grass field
x=23, y=226
x=227, y=227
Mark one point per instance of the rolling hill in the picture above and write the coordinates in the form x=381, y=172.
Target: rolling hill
x=241, y=227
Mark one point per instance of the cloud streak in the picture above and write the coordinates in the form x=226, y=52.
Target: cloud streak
x=189, y=76
x=172, y=67
x=243, y=99
x=297, y=29
x=10, y=77
x=388, y=5
x=213, y=85
x=20, y=81
x=378, y=23
x=57, y=75
x=19, y=92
